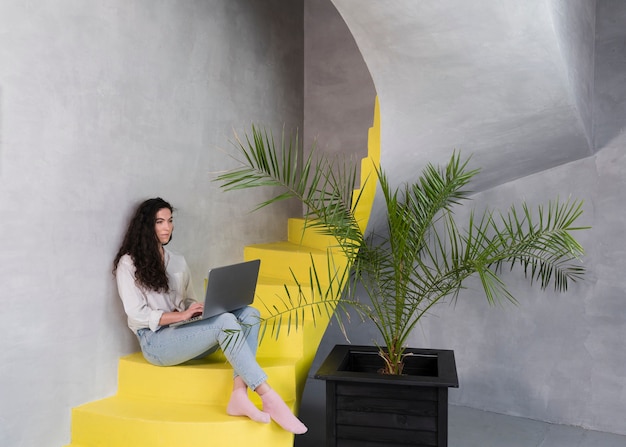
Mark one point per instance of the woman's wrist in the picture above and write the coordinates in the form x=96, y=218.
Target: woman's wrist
x=171, y=317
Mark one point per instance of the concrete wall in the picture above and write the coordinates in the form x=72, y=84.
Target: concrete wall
x=338, y=90
x=338, y=111
x=575, y=25
x=515, y=84
x=485, y=77
x=555, y=357
x=103, y=104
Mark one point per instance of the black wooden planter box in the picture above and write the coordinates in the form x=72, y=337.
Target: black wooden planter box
x=368, y=409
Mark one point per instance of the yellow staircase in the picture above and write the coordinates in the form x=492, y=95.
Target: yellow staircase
x=185, y=405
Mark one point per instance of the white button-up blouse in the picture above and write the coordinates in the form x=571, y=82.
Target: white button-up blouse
x=144, y=308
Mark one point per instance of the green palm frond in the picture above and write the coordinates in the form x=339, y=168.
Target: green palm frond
x=422, y=255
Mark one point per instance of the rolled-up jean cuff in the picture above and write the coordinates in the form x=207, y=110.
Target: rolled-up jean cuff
x=253, y=386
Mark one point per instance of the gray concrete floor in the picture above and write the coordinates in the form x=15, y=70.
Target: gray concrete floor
x=475, y=428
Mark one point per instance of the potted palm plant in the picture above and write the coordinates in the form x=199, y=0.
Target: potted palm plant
x=420, y=256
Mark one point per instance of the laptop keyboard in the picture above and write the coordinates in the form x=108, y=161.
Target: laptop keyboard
x=184, y=322
x=199, y=317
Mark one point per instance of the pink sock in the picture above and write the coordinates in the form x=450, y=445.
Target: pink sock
x=241, y=405
x=279, y=411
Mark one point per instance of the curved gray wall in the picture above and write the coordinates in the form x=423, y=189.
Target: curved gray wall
x=338, y=89
x=488, y=78
x=535, y=91
x=103, y=104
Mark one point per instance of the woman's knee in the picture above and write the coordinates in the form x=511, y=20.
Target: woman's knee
x=250, y=315
x=227, y=321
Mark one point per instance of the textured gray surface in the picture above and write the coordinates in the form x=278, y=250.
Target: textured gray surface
x=536, y=91
x=103, y=104
x=338, y=90
x=474, y=428
x=492, y=78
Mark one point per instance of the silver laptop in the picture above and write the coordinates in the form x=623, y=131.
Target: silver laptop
x=229, y=288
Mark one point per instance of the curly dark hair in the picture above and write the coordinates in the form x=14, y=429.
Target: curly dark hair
x=142, y=244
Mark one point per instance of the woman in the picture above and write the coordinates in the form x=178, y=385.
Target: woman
x=155, y=287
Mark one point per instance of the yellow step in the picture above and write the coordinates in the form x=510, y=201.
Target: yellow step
x=207, y=381
x=132, y=422
x=184, y=405
x=309, y=237
x=280, y=259
x=286, y=341
x=274, y=295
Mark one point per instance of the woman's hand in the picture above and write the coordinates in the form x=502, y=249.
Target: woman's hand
x=174, y=317
x=193, y=310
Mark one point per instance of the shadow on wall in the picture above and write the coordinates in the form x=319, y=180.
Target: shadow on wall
x=609, y=117
x=609, y=106
x=1, y=139
x=339, y=93
x=339, y=102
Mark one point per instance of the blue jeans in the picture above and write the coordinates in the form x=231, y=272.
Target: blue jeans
x=236, y=333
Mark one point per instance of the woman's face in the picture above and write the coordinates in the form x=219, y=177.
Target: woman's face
x=164, y=225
